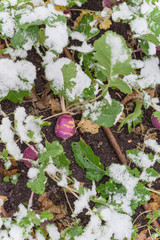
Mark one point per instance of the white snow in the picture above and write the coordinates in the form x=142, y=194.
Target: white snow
x=78, y=35
x=120, y=174
x=56, y=36
x=63, y=181
x=118, y=52
x=34, y=14
x=122, y=12
x=61, y=2
x=150, y=73
x=48, y=58
x=140, y=26
x=53, y=232
x=16, y=232
x=8, y=25
x=10, y=80
x=152, y=144
x=83, y=201
x=32, y=173
x=26, y=124
x=84, y=48
x=7, y=136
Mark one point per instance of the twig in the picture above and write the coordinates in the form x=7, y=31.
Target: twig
x=3, y=211
x=115, y=145
x=123, y=160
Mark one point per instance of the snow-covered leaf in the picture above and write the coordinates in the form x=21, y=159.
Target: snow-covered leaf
x=112, y=55
x=102, y=113
x=85, y=26
x=38, y=184
x=153, y=19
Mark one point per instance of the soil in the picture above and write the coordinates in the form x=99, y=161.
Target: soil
x=99, y=143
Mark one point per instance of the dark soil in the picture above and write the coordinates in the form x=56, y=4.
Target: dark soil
x=19, y=193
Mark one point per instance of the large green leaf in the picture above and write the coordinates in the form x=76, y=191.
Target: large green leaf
x=85, y=158
x=113, y=55
x=103, y=113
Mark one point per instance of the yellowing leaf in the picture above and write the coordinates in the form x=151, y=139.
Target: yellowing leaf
x=88, y=126
x=105, y=24
x=60, y=8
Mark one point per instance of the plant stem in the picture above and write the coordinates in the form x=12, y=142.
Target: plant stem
x=62, y=104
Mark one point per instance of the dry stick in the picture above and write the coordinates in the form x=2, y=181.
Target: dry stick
x=123, y=160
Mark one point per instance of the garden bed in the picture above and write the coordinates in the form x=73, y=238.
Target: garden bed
x=59, y=199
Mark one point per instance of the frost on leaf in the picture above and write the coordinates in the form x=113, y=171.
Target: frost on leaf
x=67, y=78
x=102, y=113
x=27, y=127
x=112, y=55
x=18, y=80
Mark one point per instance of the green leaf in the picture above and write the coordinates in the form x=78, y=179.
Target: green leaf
x=144, y=46
x=72, y=232
x=41, y=36
x=121, y=85
x=71, y=3
x=157, y=115
x=86, y=159
x=151, y=172
x=38, y=184
x=52, y=150
x=149, y=37
x=62, y=162
x=102, y=113
x=112, y=55
x=19, y=39
x=84, y=26
x=110, y=188
x=16, y=96
x=142, y=193
x=153, y=19
x=134, y=118
x=46, y=215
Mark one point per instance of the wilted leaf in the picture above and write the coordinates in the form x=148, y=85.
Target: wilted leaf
x=55, y=105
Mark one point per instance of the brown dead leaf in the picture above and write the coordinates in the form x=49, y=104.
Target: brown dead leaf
x=88, y=126
x=142, y=235
x=14, y=163
x=155, y=204
x=9, y=173
x=151, y=92
x=55, y=105
x=59, y=211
